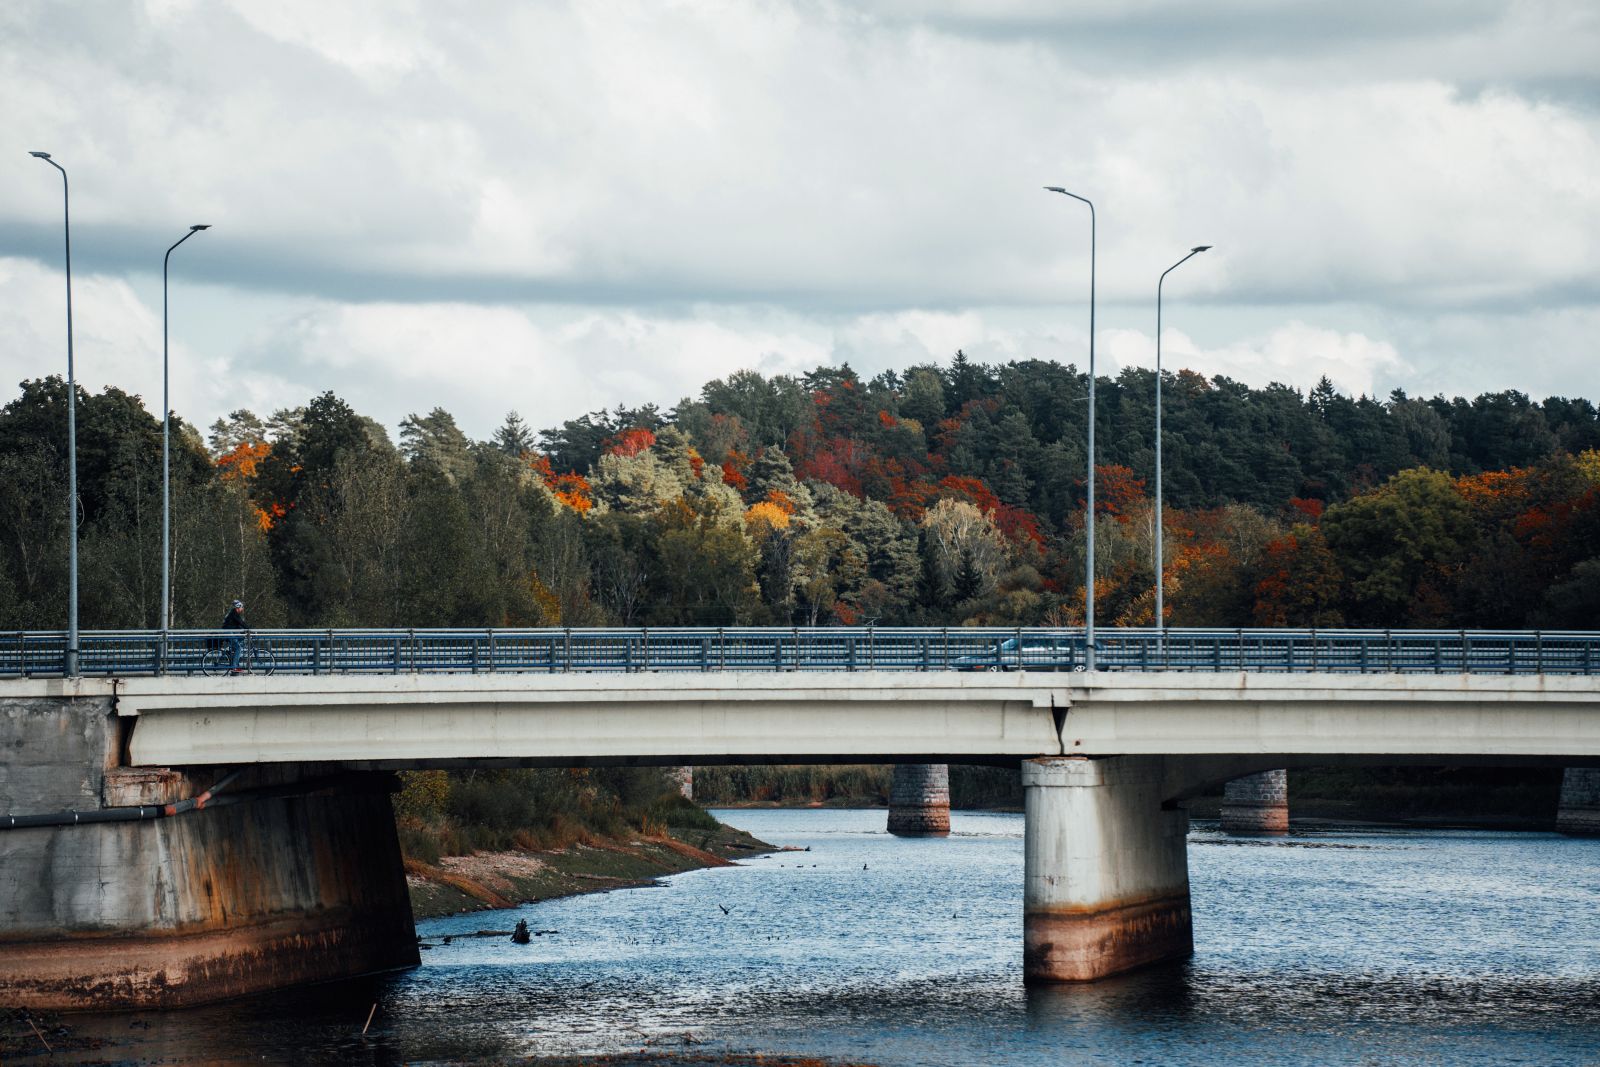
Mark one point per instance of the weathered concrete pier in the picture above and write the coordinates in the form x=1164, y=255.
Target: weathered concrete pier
x=1105, y=869
x=287, y=876
x=1257, y=804
x=919, y=800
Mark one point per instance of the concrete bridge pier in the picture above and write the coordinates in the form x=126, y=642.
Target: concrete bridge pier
x=919, y=800
x=1105, y=869
x=1256, y=804
x=1579, y=809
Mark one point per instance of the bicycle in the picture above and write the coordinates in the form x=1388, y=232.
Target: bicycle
x=253, y=658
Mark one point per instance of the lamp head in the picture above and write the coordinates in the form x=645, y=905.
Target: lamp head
x=207, y=226
x=1200, y=248
x=40, y=155
x=1054, y=189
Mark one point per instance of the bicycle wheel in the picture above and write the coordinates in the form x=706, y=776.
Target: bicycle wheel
x=216, y=661
x=261, y=661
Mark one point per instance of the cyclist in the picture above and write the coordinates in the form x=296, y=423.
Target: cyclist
x=235, y=621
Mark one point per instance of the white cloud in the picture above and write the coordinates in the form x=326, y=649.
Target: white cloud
x=479, y=362
x=1295, y=354
x=116, y=339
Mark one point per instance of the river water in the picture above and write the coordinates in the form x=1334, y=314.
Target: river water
x=1351, y=946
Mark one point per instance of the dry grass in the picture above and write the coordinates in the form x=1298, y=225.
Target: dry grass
x=461, y=882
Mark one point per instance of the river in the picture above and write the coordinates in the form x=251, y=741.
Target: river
x=1348, y=946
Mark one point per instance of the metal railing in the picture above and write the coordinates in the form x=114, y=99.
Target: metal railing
x=555, y=651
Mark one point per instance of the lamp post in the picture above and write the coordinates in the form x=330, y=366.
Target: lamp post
x=1088, y=565
x=71, y=665
x=1161, y=529
x=166, y=446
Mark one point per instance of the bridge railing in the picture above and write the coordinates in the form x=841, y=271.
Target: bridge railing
x=555, y=651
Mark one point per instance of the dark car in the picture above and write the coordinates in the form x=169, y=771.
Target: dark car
x=1033, y=654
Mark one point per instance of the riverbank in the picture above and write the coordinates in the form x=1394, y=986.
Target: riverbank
x=1483, y=798
x=504, y=879
x=1305, y=815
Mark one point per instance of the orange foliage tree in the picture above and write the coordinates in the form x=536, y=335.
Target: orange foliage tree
x=571, y=489
x=1118, y=492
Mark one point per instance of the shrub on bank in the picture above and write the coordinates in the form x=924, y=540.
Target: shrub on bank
x=844, y=783
x=443, y=813
x=854, y=784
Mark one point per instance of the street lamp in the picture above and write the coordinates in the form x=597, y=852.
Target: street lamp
x=166, y=447
x=1161, y=530
x=71, y=665
x=1088, y=565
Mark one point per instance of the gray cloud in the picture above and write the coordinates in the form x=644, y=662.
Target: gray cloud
x=1359, y=167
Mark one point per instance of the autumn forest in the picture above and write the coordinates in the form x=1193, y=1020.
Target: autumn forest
x=935, y=496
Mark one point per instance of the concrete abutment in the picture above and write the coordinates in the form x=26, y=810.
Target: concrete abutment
x=919, y=800
x=1105, y=869
x=286, y=877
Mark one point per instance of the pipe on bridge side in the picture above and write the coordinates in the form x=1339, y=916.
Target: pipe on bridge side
x=131, y=813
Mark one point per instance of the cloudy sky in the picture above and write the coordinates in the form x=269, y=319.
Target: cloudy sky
x=555, y=207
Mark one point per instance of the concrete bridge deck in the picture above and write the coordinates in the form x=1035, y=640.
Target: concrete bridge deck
x=395, y=721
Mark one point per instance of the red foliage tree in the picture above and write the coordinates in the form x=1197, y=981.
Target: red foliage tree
x=629, y=442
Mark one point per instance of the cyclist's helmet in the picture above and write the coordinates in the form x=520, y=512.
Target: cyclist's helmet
x=238, y=605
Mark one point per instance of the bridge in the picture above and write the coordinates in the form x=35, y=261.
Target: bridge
x=168, y=836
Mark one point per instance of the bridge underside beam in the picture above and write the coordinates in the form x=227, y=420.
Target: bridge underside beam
x=568, y=720
x=678, y=718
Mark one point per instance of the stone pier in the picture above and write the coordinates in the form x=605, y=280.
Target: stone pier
x=287, y=876
x=1105, y=869
x=919, y=800
x=1579, y=808
x=1257, y=804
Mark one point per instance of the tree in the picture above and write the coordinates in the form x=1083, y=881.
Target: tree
x=963, y=541
x=240, y=427
x=703, y=573
x=619, y=553
x=636, y=484
x=514, y=438
x=1575, y=602
x=509, y=503
x=1413, y=528
x=436, y=442
x=1297, y=581
x=827, y=566
x=335, y=498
